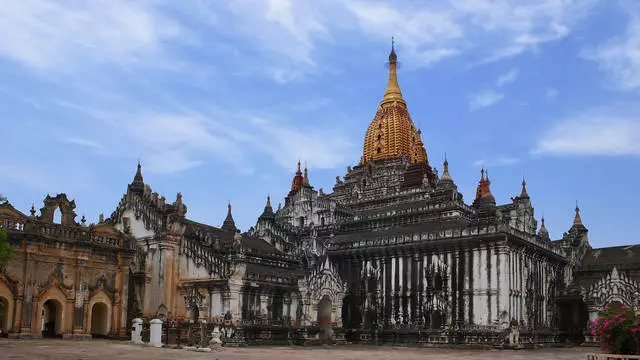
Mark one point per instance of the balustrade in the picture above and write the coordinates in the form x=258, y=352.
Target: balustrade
x=64, y=232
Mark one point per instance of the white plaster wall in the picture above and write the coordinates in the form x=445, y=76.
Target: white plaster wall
x=138, y=229
x=189, y=269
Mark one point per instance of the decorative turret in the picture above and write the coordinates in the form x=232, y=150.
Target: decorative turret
x=138, y=182
x=523, y=193
x=483, y=192
x=576, y=237
x=298, y=180
x=577, y=220
x=543, y=233
x=445, y=172
x=305, y=179
x=268, y=214
x=229, y=224
x=392, y=133
x=180, y=207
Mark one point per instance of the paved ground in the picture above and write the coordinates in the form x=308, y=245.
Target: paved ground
x=111, y=350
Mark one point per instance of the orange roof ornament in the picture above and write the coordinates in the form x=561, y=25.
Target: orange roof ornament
x=523, y=193
x=298, y=180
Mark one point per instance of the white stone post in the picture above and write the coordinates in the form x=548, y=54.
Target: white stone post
x=155, y=339
x=136, y=332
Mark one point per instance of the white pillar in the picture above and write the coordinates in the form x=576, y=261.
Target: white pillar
x=155, y=339
x=136, y=332
x=393, y=289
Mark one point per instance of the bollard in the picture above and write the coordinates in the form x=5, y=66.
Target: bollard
x=179, y=333
x=155, y=339
x=203, y=333
x=136, y=331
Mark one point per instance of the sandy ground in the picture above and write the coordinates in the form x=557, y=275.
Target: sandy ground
x=111, y=350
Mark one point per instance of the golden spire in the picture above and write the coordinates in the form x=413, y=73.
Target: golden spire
x=393, y=93
x=577, y=220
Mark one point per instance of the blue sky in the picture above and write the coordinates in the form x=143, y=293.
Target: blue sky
x=219, y=99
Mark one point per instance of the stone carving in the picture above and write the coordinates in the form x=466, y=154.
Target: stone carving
x=215, y=343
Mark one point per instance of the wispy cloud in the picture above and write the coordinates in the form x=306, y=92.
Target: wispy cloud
x=551, y=93
x=604, y=131
x=50, y=36
x=321, y=148
x=619, y=57
x=81, y=142
x=499, y=161
x=484, y=99
x=507, y=78
x=289, y=36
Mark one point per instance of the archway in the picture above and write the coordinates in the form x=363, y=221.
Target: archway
x=324, y=316
x=51, y=318
x=4, y=316
x=99, y=319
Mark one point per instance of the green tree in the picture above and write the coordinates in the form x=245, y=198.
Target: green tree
x=5, y=248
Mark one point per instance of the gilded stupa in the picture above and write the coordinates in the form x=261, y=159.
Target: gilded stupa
x=392, y=133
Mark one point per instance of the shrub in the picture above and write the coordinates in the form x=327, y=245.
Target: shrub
x=618, y=328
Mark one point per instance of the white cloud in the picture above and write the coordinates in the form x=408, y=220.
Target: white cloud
x=619, y=57
x=82, y=142
x=484, y=98
x=499, y=161
x=287, y=36
x=606, y=131
x=507, y=78
x=551, y=93
x=52, y=36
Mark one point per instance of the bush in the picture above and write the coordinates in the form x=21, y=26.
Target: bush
x=618, y=328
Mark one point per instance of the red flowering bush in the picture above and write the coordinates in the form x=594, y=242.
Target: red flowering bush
x=618, y=328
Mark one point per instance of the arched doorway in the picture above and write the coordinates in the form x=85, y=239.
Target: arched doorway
x=4, y=316
x=99, y=319
x=51, y=318
x=324, y=316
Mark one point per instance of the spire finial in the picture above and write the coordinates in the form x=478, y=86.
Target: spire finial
x=392, y=93
x=445, y=172
x=543, y=229
x=268, y=201
x=577, y=220
x=524, y=188
x=229, y=207
x=137, y=179
x=482, y=174
x=305, y=179
x=33, y=210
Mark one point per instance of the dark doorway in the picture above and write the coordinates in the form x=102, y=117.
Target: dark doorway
x=51, y=319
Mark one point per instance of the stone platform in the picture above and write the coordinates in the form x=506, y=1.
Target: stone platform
x=117, y=350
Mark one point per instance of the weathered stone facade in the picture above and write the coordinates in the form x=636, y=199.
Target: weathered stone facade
x=65, y=279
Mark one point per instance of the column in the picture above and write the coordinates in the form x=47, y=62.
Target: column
x=394, y=300
x=402, y=288
x=503, y=292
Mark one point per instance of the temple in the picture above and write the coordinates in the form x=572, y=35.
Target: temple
x=394, y=254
